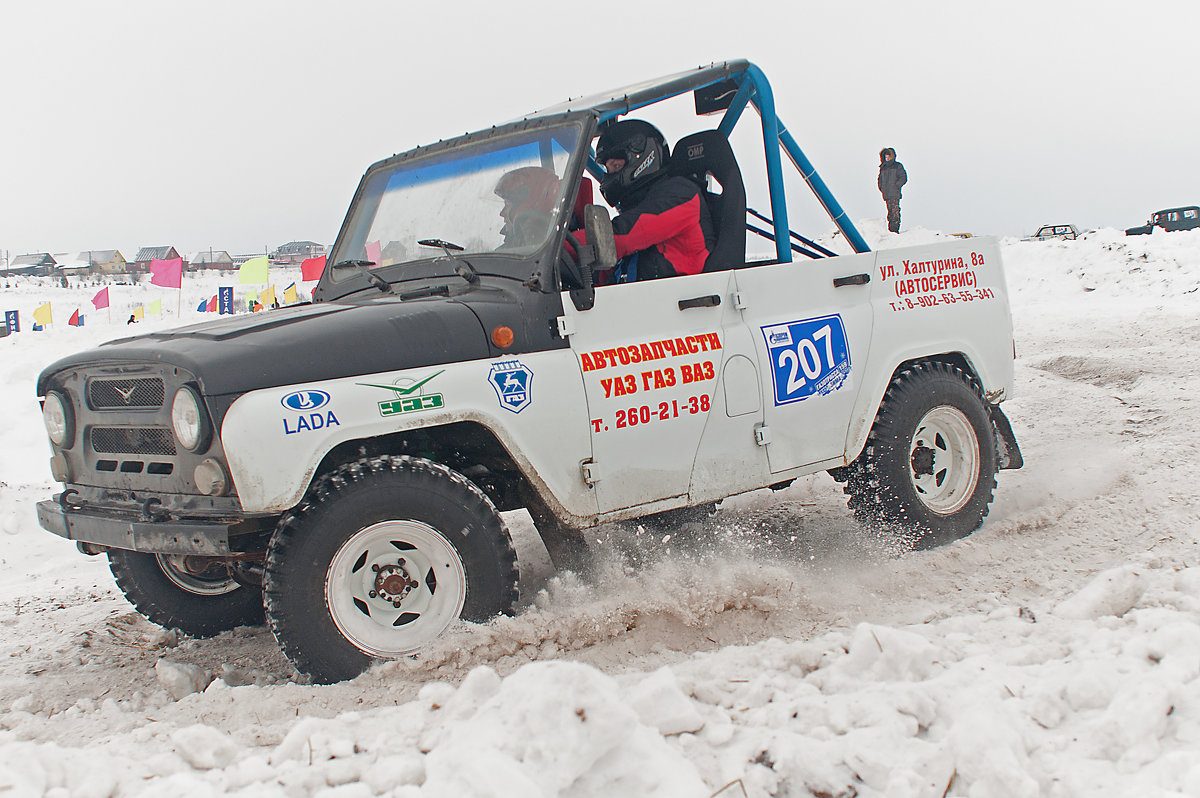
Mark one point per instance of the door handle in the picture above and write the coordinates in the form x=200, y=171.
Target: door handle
x=853, y=279
x=710, y=301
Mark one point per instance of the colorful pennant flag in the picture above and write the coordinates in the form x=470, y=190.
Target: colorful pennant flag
x=268, y=296
x=203, y=306
x=374, y=251
x=43, y=315
x=100, y=300
x=140, y=313
x=290, y=296
x=167, y=273
x=212, y=304
x=155, y=308
x=76, y=320
x=311, y=268
x=253, y=271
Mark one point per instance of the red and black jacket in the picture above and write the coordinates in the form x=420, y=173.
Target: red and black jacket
x=668, y=223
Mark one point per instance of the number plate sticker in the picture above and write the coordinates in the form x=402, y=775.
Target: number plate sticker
x=808, y=358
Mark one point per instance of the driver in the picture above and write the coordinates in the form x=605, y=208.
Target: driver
x=664, y=228
x=529, y=195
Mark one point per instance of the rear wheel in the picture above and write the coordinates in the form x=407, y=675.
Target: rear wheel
x=197, y=595
x=929, y=467
x=383, y=555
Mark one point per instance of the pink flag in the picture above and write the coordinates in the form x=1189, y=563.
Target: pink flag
x=100, y=300
x=212, y=304
x=374, y=251
x=167, y=273
x=311, y=268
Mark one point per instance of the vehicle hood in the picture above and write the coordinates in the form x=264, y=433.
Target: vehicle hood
x=304, y=343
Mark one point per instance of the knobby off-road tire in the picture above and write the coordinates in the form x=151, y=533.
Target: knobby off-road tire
x=928, y=470
x=381, y=556
x=180, y=592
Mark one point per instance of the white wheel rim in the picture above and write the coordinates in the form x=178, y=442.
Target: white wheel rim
x=174, y=567
x=943, y=459
x=393, y=587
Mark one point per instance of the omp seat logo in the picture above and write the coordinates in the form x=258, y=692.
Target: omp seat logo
x=513, y=383
x=304, y=401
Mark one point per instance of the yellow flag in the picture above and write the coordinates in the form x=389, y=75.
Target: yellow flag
x=155, y=308
x=42, y=315
x=268, y=296
x=290, y=297
x=140, y=313
x=253, y=271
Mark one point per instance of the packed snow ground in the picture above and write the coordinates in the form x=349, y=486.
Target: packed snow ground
x=774, y=650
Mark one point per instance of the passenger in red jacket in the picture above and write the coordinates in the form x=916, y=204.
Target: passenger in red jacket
x=664, y=228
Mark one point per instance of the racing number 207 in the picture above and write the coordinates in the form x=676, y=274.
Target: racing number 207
x=807, y=357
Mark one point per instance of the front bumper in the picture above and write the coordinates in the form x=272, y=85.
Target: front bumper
x=122, y=530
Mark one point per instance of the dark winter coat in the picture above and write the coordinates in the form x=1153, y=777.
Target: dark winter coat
x=892, y=176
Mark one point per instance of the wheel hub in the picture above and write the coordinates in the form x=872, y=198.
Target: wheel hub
x=393, y=582
x=922, y=459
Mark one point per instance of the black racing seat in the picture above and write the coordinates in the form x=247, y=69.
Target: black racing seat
x=708, y=153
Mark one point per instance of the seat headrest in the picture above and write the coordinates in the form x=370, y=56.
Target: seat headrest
x=704, y=153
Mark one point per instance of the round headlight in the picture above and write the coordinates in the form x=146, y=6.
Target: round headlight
x=60, y=421
x=187, y=419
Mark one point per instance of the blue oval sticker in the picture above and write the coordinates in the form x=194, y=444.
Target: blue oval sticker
x=303, y=401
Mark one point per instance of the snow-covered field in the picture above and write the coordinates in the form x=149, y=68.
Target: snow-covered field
x=775, y=650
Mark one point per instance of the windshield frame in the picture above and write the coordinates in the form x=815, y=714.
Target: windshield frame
x=535, y=267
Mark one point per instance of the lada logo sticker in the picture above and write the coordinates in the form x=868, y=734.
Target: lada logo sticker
x=305, y=401
x=410, y=396
x=808, y=358
x=513, y=382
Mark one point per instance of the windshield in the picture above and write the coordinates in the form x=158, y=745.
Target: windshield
x=499, y=195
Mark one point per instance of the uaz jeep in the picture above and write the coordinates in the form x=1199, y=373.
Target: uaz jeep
x=340, y=466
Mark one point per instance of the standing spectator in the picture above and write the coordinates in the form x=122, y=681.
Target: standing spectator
x=892, y=178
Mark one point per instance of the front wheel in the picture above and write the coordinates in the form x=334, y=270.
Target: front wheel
x=929, y=467
x=381, y=557
x=200, y=596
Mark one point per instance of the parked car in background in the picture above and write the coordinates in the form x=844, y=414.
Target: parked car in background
x=1067, y=232
x=1171, y=219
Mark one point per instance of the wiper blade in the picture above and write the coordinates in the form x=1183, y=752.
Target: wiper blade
x=364, y=267
x=429, y=290
x=461, y=267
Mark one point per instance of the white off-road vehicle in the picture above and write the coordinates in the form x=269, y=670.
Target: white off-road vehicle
x=341, y=466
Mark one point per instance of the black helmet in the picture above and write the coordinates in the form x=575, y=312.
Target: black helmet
x=644, y=151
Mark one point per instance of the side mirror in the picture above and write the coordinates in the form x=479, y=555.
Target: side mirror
x=600, y=234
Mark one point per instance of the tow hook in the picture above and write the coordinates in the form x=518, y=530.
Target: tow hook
x=64, y=500
x=152, y=512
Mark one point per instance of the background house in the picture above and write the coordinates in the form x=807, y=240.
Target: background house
x=141, y=263
x=211, y=259
x=35, y=263
x=297, y=252
x=104, y=261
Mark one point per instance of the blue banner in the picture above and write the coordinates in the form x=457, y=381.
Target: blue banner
x=12, y=320
x=225, y=300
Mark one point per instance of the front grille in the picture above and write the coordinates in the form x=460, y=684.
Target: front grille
x=134, y=392
x=133, y=440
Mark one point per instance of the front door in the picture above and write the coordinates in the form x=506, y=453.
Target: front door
x=650, y=354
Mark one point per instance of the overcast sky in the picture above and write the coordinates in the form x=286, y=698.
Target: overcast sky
x=242, y=124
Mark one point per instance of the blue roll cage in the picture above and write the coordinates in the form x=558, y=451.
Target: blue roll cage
x=753, y=89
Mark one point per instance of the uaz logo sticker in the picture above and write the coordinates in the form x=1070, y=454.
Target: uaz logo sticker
x=304, y=401
x=513, y=382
